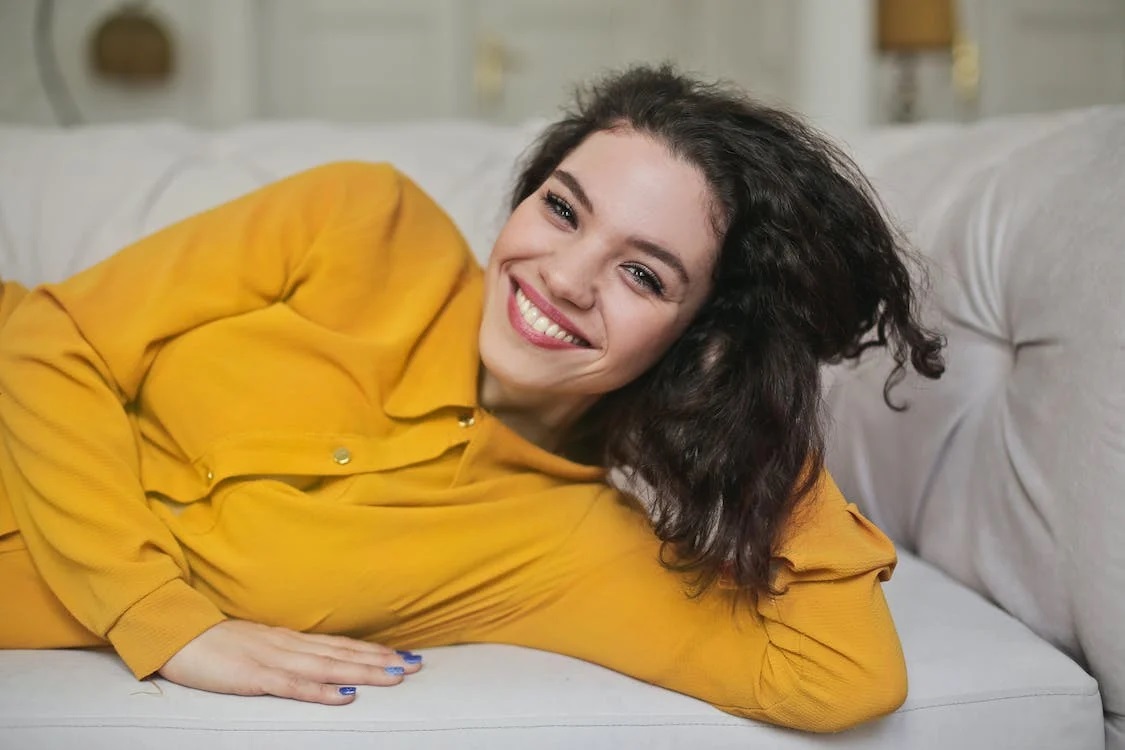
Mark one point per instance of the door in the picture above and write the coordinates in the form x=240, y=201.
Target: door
x=528, y=55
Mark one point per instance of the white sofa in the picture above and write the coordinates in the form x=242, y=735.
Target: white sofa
x=1004, y=485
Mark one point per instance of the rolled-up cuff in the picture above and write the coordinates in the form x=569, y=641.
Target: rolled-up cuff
x=157, y=626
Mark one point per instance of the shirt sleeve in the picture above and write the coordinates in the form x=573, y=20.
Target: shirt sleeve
x=73, y=357
x=821, y=656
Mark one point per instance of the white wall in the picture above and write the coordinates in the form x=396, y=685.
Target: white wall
x=214, y=81
x=834, y=62
x=831, y=65
x=1036, y=55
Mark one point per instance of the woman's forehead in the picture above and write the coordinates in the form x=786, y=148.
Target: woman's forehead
x=634, y=182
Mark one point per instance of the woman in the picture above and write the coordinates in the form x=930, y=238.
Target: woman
x=260, y=450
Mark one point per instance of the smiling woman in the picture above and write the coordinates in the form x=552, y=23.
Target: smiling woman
x=584, y=256
x=678, y=263
x=798, y=267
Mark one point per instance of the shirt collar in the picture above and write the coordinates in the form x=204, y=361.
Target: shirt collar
x=444, y=367
x=443, y=371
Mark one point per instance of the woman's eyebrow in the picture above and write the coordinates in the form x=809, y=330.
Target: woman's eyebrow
x=571, y=182
x=647, y=247
x=668, y=257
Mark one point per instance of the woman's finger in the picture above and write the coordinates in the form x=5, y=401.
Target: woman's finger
x=375, y=659
x=327, y=670
x=290, y=685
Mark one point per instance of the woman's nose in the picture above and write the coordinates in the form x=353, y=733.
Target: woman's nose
x=570, y=276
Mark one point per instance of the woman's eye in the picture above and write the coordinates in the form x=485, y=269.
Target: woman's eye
x=645, y=278
x=560, y=208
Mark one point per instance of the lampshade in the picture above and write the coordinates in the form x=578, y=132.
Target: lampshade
x=915, y=25
x=131, y=45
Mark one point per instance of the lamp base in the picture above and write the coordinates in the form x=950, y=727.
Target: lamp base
x=905, y=102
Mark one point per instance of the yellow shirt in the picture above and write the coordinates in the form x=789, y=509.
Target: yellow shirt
x=269, y=411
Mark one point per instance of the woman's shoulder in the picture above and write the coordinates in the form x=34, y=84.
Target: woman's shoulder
x=349, y=171
x=350, y=180
x=354, y=178
x=378, y=191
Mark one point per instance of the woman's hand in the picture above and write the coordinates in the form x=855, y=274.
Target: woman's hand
x=244, y=658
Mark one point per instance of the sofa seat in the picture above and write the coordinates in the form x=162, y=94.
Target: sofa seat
x=978, y=679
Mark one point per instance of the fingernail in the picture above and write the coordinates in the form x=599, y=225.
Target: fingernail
x=405, y=654
x=412, y=658
x=347, y=691
x=394, y=670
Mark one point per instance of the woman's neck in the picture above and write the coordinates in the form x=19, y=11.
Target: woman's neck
x=539, y=418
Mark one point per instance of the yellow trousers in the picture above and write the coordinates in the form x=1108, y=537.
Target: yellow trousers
x=33, y=617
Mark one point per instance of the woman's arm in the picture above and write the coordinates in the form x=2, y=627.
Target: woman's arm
x=73, y=357
x=823, y=656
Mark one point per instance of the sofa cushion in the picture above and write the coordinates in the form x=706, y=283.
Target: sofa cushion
x=1009, y=473
x=978, y=679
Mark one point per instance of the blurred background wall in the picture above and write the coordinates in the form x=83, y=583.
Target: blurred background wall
x=847, y=64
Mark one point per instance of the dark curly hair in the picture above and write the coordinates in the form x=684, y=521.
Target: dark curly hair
x=725, y=429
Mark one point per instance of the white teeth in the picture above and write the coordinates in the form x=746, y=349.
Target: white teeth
x=541, y=322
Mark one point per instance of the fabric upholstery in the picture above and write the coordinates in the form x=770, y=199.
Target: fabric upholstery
x=1009, y=473
x=1005, y=475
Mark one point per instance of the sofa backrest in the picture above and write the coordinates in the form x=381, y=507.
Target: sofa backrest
x=69, y=198
x=1009, y=472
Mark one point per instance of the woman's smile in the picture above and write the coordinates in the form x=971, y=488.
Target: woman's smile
x=540, y=322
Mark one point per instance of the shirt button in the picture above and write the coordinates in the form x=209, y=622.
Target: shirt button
x=210, y=475
x=466, y=420
x=342, y=456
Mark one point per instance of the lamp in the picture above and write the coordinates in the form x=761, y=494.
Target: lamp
x=131, y=45
x=907, y=28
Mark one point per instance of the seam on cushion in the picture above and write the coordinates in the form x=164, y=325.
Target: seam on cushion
x=950, y=704
x=734, y=724
x=997, y=699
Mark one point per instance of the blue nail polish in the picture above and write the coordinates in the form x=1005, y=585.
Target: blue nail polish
x=404, y=654
x=394, y=670
x=412, y=658
x=347, y=691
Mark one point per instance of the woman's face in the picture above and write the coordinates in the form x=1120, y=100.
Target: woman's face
x=598, y=272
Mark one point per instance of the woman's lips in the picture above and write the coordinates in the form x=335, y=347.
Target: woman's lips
x=539, y=322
